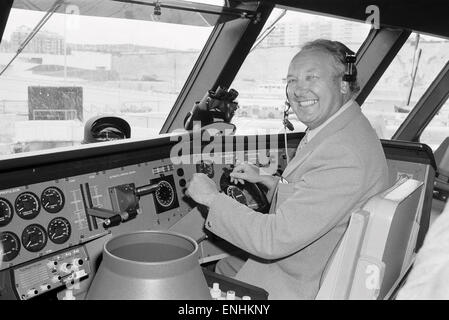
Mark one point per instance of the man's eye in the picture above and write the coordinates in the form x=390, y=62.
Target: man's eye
x=311, y=77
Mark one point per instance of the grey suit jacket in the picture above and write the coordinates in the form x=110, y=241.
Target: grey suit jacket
x=336, y=172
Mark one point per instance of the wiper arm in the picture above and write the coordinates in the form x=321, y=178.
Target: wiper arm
x=268, y=30
x=33, y=32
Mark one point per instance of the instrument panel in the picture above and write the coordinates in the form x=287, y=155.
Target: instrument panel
x=56, y=213
x=43, y=218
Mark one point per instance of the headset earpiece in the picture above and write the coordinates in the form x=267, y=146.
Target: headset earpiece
x=349, y=75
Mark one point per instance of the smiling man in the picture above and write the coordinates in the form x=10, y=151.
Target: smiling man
x=337, y=167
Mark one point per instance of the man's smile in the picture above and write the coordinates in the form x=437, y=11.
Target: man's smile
x=307, y=103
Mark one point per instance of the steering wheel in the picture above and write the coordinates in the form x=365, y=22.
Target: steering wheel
x=249, y=194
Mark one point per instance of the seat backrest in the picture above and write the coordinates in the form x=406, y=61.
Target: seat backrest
x=413, y=160
x=442, y=157
x=377, y=247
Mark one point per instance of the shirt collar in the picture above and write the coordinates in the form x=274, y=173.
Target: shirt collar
x=313, y=132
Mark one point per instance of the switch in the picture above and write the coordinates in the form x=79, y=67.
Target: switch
x=79, y=274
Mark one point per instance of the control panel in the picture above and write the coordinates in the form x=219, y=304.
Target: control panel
x=46, y=227
x=54, y=271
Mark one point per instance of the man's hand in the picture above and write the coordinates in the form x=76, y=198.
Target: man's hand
x=202, y=189
x=245, y=172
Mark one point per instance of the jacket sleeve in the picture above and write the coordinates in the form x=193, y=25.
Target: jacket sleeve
x=324, y=195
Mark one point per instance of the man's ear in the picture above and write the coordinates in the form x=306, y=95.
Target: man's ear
x=344, y=87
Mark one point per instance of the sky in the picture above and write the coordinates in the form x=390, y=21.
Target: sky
x=99, y=30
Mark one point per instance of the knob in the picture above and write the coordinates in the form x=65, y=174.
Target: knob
x=45, y=287
x=78, y=262
x=230, y=295
x=69, y=295
x=215, y=292
x=65, y=267
x=32, y=292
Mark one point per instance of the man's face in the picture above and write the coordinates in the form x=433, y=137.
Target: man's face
x=313, y=90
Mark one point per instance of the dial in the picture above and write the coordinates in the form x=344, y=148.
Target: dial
x=11, y=245
x=27, y=205
x=237, y=194
x=59, y=230
x=206, y=167
x=52, y=200
x=6, y=212
x=165, y=194
x=34, y=238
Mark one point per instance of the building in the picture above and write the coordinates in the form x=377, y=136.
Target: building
x=297, y=32
x=42, y=42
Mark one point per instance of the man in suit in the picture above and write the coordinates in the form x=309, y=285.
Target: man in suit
x=337, y=167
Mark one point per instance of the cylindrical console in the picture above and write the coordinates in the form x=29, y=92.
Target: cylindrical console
x=149, y=265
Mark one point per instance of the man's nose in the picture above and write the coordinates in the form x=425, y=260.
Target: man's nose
x=300, y=87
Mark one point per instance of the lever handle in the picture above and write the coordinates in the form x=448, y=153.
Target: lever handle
x=147, y=189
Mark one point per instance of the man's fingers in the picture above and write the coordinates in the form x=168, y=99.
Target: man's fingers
x=238, y=175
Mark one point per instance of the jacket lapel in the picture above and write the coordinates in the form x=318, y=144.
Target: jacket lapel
x=331, y=128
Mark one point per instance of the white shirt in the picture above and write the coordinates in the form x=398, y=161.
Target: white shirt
x=313, y=132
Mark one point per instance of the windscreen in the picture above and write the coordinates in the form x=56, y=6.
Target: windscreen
x=63, y=63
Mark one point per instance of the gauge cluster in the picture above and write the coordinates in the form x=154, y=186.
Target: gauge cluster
x=36, y=220
x=40, y=219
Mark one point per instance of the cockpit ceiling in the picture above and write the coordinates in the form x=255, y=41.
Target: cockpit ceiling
x=138, y=10
x=428, y=17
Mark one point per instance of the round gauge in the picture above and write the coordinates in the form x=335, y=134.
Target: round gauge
x=52, y=200
x=6, y=212
x=59, y=230
x=206, y=167
x=165, y=194
x=237, y=194
x=34, y=238
x=27, y=205
x=11, y=245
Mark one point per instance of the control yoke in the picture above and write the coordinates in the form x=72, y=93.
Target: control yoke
x=218, y=106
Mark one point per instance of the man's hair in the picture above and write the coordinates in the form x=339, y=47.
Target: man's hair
x=338, y=52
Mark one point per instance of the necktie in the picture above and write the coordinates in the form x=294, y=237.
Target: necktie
x=304, y=140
